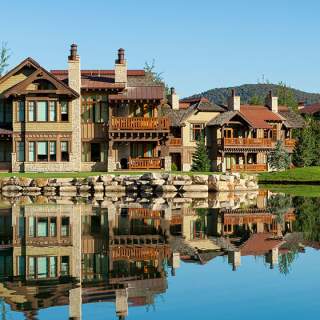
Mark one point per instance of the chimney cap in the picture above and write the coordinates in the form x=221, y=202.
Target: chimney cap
x=121, y=59
x=233, y=92
x=172, y=90
x=73, y=52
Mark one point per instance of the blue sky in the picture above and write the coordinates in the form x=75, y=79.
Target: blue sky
x=197, y=45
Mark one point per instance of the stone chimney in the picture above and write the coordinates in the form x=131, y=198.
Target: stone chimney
x=234, y=101
x=173, y=99
x=272, y=102
x=120, y=68
x=74, y=81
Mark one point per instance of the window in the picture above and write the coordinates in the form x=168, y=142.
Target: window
x=53, y=227
x=20, y=151
x=53, y=267
x=42, y=267
x=42, y=227
x=5, y=151
x=52, y=111
x=2, y=109
x=42, y=151
x=32, y=111
x=20, y=113
x=42, y=111
x=64, y=151
x=65, y=227
x=32, y=267
x=197, y=130
x=53, y=153
x=64, y=266
x=5, y=112
x=32, y=226
x=95, y=152
x=31, y=151
x=64, y=111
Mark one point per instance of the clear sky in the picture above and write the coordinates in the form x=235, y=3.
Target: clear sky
x=198, y=45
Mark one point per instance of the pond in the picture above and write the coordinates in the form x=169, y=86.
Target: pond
x=228, y=256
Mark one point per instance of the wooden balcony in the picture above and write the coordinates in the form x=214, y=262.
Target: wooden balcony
x=139, y=123
x=250, y=167
x=145, y=163
x=290, y=143
x=247, y=142
x=175, y=142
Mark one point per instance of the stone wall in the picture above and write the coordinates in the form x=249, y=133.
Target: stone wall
x=146, y=185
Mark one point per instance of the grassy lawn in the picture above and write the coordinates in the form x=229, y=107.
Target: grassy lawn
x=86, y=174
x=295, y=190
x=297, y=175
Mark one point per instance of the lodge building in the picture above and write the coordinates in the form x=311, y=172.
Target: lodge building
x=108, y=120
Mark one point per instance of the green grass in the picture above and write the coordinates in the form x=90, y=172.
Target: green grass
x=86, y=174
x=297, y=175
x=295, y=190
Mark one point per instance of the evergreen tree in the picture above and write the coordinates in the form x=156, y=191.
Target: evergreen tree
x=307, y=149
x=286, y=96
x=200, y=159
x=4, y=57
x=279, y=158
x=256, y=100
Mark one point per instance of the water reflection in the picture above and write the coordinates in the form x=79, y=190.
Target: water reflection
x=56, y=252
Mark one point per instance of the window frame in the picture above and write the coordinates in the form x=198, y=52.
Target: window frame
x=193, y=136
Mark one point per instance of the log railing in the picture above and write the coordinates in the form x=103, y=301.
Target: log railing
x=247, y=142
x=139, y=123
x=290, y=143
x=250, y=167
x=145, y=163
x=143, y=213
x=175, y=142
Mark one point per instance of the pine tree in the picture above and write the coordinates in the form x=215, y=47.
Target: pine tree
x=4, y=57
x=200, y=159
x=279, y=158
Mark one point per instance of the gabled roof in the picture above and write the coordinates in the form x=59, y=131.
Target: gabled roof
x=104, y=79
x=259, y=244
x=310, y=109
x=292, y=119
x=175, y=116
x=255, y=116
x=139, y=93
x=260, y=115
x=225, y=117
x=39, y=73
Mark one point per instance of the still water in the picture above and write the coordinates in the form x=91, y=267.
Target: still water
x=228, y=256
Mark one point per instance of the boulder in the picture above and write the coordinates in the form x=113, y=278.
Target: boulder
x=64, y=189
x=195, y=188
x=166, y=188
x=157, y=182
x=116, y=188
x=92, y=179
x=200, y=179
x=40, y=182
x=106, y=179
x=11, y=188
x=98, y=187
x=84, y=188
x=150, y=176
x=24, y=181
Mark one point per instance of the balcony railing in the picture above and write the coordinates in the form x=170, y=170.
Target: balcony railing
x=247, y=142
x=145, y=163
x=250, y=167
x=290, y=143
x=139, y=123
x=175, y=142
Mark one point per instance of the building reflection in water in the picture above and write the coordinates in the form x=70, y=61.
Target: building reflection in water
x=65, y=252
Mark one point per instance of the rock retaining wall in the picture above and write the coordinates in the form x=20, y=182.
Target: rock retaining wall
x=146, y=185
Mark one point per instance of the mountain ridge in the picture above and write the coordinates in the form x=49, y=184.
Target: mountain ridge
x=247, y=91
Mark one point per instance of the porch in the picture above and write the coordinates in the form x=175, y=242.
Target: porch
x=138, y=156
x=251, y=162
x=139, y=123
